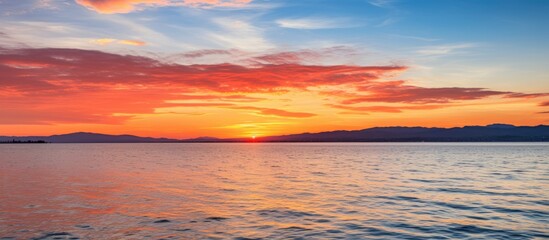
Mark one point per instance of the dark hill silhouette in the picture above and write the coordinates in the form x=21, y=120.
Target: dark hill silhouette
x=85, y=137
x=489, y=133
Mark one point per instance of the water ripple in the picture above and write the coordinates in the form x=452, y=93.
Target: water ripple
x=275, y=191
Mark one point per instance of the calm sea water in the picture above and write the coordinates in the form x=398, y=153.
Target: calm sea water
x=275, y=191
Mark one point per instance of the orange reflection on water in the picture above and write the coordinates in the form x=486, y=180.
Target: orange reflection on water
x=263, y=190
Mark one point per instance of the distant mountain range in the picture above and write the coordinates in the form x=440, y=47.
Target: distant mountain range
x=489, y=133
x=84, y=137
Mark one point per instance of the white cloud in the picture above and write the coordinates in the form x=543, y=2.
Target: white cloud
x=424, y=39
x=381, y=3
x=239, y=34
x=46, y=4
x=448, y=49
x=314, y=23
x=387, y=22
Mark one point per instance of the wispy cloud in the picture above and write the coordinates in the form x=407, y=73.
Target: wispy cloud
x=239, y=34
x=400, y=92
x=317, y=56
x=425, y=39
x=14, y=8
x=7, y=41
x=387, y=22
x=117, y=32
x=132, y=42
x=305, y=56
x=106, y=41
x=122, y=26
x=314, y=23
x=447, y=49
x=205, y=52
x=386, y=109
x=46, y=4
x=382, y=3
x=216, y=3
x=126, y=6
x=276, y=112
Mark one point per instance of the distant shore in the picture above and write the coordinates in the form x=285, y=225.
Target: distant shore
x=23, y=142
x=497, y=132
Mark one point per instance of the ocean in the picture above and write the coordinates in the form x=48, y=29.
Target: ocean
x=275, y=191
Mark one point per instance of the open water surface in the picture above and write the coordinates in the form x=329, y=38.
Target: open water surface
x=275, y=191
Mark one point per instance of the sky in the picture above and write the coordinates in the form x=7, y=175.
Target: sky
x=244, y=68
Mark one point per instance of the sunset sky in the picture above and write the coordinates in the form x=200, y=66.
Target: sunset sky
x=243, y=68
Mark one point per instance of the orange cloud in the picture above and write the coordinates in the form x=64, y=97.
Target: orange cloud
x=116, y=6
x=52, y=86
x=398, y=91
x=277, y=112
x=132, y=42
x=106, y=41
x=110, y=84
x=226, y=98
x=126, y=6
x=74, y=66
x=387, y=109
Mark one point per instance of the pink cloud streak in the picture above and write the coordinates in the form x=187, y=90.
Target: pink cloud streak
x=126, y=6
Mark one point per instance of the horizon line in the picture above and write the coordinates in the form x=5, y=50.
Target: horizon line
x=232, y=139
